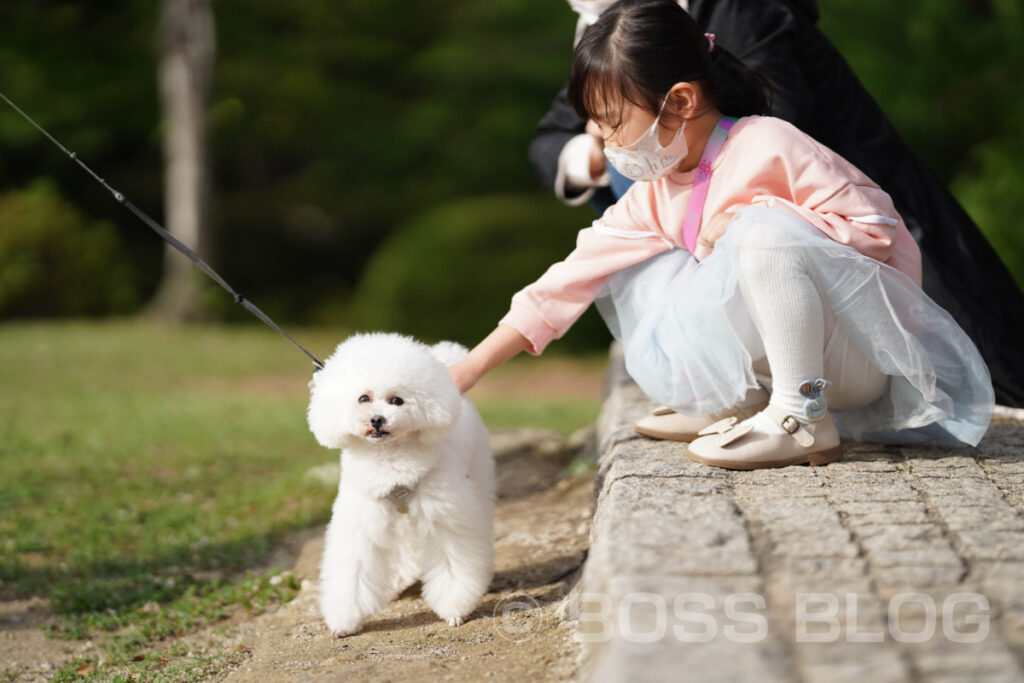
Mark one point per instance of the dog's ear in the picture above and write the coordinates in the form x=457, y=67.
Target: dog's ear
x=438, y=415
x=449, y=352
x=326, y=419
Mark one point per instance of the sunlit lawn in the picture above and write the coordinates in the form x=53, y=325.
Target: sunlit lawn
x=141, y=463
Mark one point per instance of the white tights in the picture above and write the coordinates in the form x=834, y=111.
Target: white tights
x=800, y=338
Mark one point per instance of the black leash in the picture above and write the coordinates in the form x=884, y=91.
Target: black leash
x=172, y=240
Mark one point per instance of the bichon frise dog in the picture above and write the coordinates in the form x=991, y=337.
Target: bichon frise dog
x=416, y=498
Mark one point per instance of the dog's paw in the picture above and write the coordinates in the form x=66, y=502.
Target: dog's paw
x=338, y=633
x=456, y=621
x=343, y=626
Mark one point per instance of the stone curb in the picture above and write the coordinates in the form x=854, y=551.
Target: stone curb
x=895, y=564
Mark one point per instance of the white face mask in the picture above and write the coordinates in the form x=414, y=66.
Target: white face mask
x=590, y=11
x=646, y=159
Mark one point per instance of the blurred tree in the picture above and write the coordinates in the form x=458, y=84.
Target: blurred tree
x=950, y=75
x=333, y=122
x=87, y=74
x=186, y=64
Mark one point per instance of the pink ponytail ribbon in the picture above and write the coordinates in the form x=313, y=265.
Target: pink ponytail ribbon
x=711, y=41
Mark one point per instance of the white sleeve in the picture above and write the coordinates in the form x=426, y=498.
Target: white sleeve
x=574, y=171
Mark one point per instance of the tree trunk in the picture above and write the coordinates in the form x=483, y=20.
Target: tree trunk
x=186, y=62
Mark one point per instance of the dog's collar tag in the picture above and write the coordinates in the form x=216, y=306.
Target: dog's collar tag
x=400, y=497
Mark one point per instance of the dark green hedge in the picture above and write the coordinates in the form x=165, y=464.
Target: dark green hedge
x=450, y=272
x=53, y=261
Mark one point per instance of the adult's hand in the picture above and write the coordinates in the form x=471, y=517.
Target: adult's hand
x=597, y=159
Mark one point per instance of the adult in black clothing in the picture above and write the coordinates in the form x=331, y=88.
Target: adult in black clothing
x=816, y=90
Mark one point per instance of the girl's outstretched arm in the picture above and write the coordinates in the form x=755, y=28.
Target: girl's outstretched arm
x=498, y=347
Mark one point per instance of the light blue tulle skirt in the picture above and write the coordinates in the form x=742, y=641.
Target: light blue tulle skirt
x=690, y=342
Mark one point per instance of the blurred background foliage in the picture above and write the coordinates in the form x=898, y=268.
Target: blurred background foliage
x=368, y=157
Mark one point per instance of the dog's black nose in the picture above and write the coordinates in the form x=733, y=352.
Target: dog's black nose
x=377, y=421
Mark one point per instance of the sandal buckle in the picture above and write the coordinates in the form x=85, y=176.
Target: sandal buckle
x=790, y=424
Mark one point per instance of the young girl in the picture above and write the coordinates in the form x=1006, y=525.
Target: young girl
x=756, y=265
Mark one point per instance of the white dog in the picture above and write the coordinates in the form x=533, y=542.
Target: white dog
x=416, y=498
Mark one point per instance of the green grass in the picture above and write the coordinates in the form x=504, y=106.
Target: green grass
x=563, y=415
x=146, y=465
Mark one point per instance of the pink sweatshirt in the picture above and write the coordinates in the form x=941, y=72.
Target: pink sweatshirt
x=765, y=161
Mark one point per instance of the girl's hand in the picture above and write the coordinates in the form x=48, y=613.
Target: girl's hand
x=463, y=375
x=710, y=233
x=499, y=346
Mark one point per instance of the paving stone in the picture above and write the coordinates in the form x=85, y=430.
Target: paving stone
x=875, y=669
x=656, y=459
x=896, y=579
x=781, y=476
x=664, y=624
x=902, y=537
x=892, y=492
x=815, y=544
x=1002, y=435
x=993, y=545
x=849, y=605
x=870, y=453
x=952, y=465
x=967, y=660
x=825, y=654
x=915, y=558
x=848, y=476
x=996, y=517
x=966, y=488
x=1000, y=466
x=998, y=570
x=860, y=513
x=867, y=461
x=1010, y=480
x=718, y=661
x=829, y=568
x=946, y=502
x=668, y=530
x=1012, y=623
x=777, y=510
x=638, y=487
x=777, y=492
x=922, y=454
x=1001, y=677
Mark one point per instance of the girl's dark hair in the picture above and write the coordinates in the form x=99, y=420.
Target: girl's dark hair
x=639, y=49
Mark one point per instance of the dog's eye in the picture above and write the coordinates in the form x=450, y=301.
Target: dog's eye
x=364, y=399
x=395, y=401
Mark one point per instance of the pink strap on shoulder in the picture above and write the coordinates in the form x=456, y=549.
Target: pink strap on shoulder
x=699, y=193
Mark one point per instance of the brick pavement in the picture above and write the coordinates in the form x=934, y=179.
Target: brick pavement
x=895, y=564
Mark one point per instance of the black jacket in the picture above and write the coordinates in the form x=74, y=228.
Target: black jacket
x=815, y=89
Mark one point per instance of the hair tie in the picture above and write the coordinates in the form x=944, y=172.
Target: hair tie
x=711, y=41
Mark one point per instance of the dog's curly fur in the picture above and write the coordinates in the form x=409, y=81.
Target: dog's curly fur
x=389, y=403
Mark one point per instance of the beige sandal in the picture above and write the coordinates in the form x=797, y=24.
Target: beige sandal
x=737, y=446
x=665, y=423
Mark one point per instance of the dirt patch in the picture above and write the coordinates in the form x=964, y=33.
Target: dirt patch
x=542, y=526
x=515, y=634
x=25, y=651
